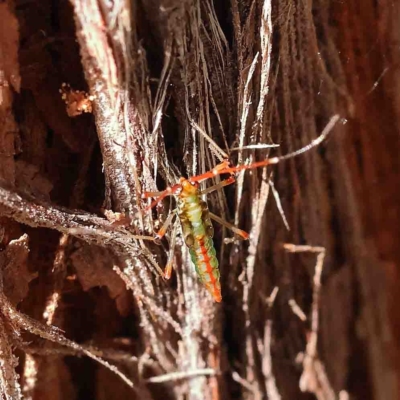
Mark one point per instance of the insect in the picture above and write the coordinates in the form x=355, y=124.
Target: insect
x=195, y=217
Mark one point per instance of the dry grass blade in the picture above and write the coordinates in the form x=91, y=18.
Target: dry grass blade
x=175, y=376
x=173, y=88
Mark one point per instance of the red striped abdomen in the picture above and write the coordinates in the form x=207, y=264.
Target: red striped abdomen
x=204, y=258
x=198, y=231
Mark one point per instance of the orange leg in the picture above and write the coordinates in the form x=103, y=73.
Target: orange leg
x=170, y=191
x=161, y=233
x=210, y=174
x=244, y=235
x=168, y=267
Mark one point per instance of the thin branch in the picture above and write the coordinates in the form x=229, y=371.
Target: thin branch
x=85, y=226
x=278, y=203
x=175, y=376
x=53, y=334
x=237, y=378
x=314, y=378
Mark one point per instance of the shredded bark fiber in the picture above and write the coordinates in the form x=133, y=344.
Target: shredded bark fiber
x=158, y=89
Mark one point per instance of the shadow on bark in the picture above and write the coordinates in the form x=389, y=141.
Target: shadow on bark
x=155, y=90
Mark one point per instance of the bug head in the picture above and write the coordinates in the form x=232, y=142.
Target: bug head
x=188, y=186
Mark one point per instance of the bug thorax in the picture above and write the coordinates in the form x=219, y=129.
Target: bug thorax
x=188, y=188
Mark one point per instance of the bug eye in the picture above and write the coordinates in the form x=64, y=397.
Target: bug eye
x=210, y=231
x=189, y=240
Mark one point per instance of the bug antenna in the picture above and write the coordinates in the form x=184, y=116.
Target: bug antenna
x=327, y=130
x=255, y=146
x=225, y=168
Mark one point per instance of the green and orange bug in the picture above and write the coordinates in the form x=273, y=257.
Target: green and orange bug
x=195, y=217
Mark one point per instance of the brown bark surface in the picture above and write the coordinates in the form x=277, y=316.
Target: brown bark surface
x=170, y=88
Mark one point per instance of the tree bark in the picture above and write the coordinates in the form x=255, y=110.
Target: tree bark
x=158, y=89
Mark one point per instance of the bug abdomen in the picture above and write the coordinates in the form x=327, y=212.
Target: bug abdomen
x=204, y=258
x=197, y=232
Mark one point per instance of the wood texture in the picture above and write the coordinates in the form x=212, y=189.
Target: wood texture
x=309, y=312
